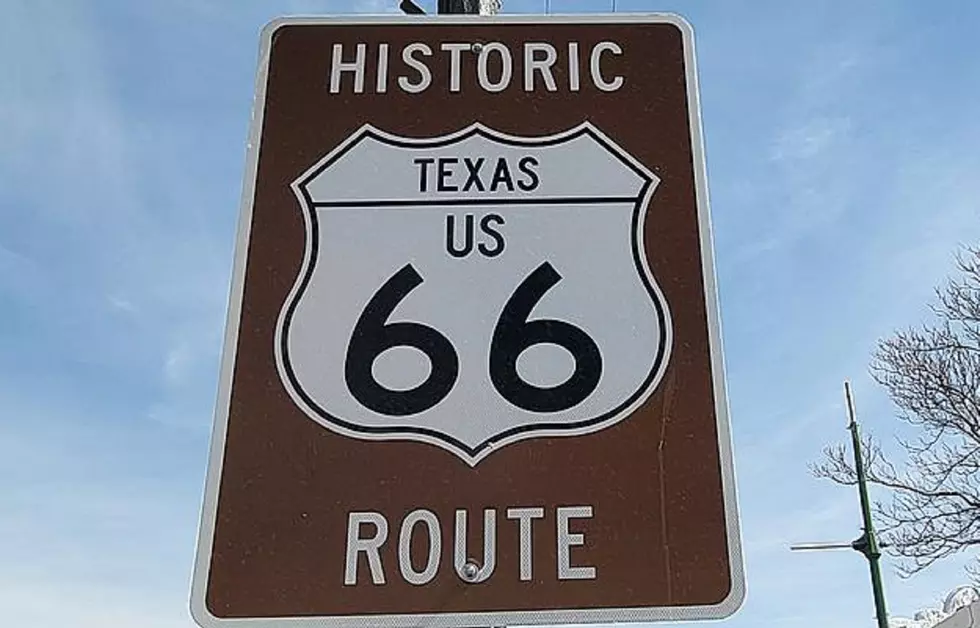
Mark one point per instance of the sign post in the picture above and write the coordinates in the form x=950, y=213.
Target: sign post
x=472, y=372
x=466, y=7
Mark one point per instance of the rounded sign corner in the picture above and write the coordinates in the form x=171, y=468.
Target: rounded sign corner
x=734, y=601
x=200, y=612
x=271, y=28
x=682, y=24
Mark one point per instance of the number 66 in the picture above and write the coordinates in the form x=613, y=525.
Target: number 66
x=512, y=335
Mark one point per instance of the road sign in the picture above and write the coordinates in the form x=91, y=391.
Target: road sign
x=472, y=372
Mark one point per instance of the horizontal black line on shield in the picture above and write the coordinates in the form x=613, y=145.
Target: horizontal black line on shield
x=448, y=202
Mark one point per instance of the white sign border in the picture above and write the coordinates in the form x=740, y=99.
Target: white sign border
x=723, y=609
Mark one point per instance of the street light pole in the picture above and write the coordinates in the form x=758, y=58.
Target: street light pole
x=868, y=543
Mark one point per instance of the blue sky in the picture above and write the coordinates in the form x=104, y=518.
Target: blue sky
x=841, y=145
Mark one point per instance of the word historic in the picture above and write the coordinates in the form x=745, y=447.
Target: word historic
x=496, y=65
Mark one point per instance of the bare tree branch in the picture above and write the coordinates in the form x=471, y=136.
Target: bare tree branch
x=932, y=375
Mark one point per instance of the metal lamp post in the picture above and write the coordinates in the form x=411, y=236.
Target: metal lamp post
x=867, y=544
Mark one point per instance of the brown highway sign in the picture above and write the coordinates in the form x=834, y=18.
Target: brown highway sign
x=472, y=370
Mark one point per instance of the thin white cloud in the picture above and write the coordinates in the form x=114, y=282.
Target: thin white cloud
x=810, y=139
x=122, y=303
x=109, y=207
x=175, y=366
x=51, y=602
x=97, y=527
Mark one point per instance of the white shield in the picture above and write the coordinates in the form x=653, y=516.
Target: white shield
x=474, y=289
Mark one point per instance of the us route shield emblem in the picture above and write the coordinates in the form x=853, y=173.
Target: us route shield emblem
x=511, y=299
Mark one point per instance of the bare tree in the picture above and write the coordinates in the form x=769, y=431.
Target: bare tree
x=932, y=375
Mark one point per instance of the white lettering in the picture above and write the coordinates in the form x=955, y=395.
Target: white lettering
x=597, y=78
x=526, y=516
x=405, y=547
x=566, y=540
x=489, y=545
x=381, y=86
x=454, y=50
x=534, y=64
x=506, y=70
x=338, y=66
x=370, y=546
x=411, y=67
x=425, y=75
x=363, y=540
x=573, y=61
